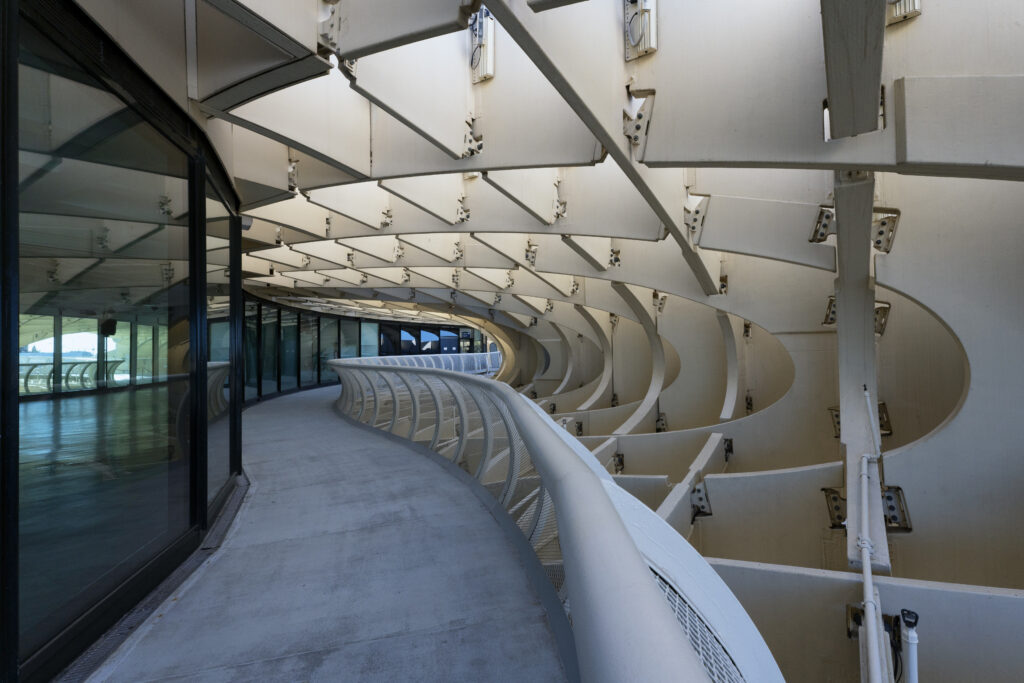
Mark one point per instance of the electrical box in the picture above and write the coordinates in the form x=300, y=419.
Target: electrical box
x=640, y=28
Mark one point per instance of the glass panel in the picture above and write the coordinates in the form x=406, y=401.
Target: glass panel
x=144, y=348
x=410, y=340
x=104, y=475
x=35, y=354
x=465, y=339
x=449, y=341
x=218, y=367
x=430, y=341
x=268, y=385
x=328, y=348
x=350, y=338
x=79, y=353
x=118, y=334
x=252, y=351
x=390, y=340
x=368, y=339
x=307, y=348
x=289, y=350
x=163, y=346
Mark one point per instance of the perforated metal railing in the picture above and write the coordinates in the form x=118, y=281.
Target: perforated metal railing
x=581, y=525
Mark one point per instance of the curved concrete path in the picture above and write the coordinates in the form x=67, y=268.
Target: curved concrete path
x=353, y=558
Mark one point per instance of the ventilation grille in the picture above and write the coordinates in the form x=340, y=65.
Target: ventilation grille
x=717, y=662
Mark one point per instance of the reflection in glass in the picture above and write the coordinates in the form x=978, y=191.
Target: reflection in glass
x=35, y=354
x=103, y=463
x=349, y=338
x=430, y=341
x=268, y=314
x=410, y=340
x=218, y=367
x=449, y=341
x=328, y=348
x=308, y=332
x=252, y=350
x=368, y=339
x=145, y=349
x=289, y=349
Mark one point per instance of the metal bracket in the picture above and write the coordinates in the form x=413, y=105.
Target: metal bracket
x=399, y=251
x=749, y=402
x=407, y=277
x=894, y=506
x=640, y=28
x=386, y=218
x=473, y=143
x=457, y=252
x=659, y=301
x=574, y=287
x=884, y=424
x=533, y=321
x=579, y=428
x=695, y=211
x=884, y=222
x=531, y=253
x=549, y=306
x=661, y=424
x=727, y=448
x=699, y=502
x=883, y=228
x=836, y=508
x=882, y=309
x=615, y=400
x=614, y=259
x=723, y=284
x=635, y=127
x=825, y=225
x=461, y=212
x=613, y=319
x=560, y=208
x=619, y=460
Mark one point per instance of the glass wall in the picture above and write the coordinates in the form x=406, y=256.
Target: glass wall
x=449, y=340
x=104, y=237
x=218, y=366
x=410, y=341
x=252, y=350
x=329, y=347
x=289, y=349
x=349, y=339
x=308, y=343
x=390, y=339
x=368, y=338
x=430, y=341
x=269, y=346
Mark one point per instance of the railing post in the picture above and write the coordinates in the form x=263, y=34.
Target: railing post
x=460, y=404
x=414, y=419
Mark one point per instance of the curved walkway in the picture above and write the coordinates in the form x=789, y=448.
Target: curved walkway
x=353, y=558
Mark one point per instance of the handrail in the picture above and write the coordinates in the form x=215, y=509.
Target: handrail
x=487, y=362
x=624, y=609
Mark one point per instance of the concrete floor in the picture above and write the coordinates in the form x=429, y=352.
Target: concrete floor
x=353, y=558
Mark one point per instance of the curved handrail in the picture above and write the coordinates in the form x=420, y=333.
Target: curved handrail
x=624, y=608
x=485, y=363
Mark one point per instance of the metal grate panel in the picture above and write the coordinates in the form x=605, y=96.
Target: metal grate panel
x=713, y=655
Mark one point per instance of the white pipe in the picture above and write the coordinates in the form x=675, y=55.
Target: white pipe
x=866, y=546
x=910, y=639
x=864, y=543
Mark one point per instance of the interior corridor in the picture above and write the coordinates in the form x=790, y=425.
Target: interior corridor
x=353, y=557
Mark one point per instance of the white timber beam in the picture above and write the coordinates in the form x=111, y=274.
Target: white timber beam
x=855, y=332
x=853, y=35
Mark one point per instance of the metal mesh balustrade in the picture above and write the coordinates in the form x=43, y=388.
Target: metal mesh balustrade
x=719, y=665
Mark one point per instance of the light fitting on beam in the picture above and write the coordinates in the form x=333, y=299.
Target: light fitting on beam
x=882, y=309
x=481, y=56
x=640, y=28
x=901, y=10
